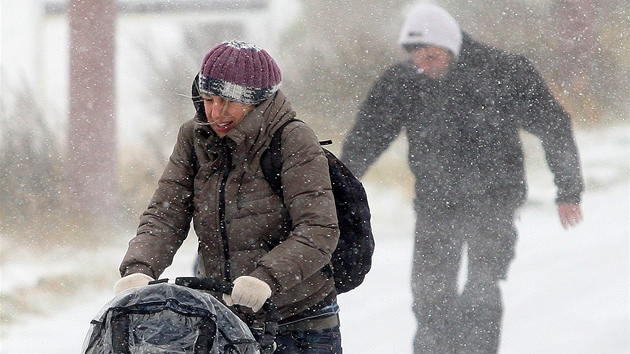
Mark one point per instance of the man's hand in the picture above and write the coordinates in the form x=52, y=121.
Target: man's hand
x=570, y=214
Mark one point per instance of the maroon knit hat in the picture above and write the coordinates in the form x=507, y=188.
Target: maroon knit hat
x=239, y=71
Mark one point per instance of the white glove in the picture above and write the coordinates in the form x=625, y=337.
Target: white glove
x=131, y=281
x=248, y=291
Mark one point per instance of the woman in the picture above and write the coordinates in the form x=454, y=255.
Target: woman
x=247, y=235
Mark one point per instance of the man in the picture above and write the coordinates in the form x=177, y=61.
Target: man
x=462, y=104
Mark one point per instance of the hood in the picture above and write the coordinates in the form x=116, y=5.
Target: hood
x=197, y=101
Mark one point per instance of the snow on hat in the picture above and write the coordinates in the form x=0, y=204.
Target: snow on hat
x=431, y=25
x=239, y=71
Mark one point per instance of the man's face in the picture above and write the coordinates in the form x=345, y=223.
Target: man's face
x=433, y=61
x=222, y=114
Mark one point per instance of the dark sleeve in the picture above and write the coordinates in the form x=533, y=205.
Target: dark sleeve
x=544, y=117
x=378, y=123
x=165, y=223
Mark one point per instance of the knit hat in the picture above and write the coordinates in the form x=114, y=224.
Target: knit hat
x=431, y=25
x=239, y=71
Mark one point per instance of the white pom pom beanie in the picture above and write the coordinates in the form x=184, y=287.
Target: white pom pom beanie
x=429, y=24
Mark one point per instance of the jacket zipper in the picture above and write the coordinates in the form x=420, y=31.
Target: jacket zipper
x=222, y=222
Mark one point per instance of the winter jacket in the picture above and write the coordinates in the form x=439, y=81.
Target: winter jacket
x=463, y=130
x=240, y=222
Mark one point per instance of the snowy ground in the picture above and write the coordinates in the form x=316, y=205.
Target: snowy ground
x=567, y=291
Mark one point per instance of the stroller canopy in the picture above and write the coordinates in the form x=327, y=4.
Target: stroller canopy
x=167, y=318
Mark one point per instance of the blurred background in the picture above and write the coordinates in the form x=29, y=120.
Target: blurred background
x=93, y=91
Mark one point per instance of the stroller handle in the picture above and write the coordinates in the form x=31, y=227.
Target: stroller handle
x=224, y=287
x=209, y=284
x=219, y=286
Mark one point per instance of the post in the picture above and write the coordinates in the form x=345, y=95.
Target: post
x=91, y=160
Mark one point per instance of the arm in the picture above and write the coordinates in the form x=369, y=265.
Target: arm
x=543, y=116
x=378, y=123
x=309, y=199
x=165, y=224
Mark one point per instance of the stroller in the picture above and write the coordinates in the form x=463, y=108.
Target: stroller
x=176, y=318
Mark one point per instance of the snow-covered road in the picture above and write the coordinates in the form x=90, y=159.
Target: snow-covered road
x=567, y=292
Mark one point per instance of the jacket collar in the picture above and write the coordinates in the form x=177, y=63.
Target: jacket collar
x=260, y=122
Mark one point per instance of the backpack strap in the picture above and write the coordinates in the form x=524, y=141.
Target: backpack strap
x=271, y=160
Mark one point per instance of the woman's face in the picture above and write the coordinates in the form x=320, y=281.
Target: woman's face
x=224, y=115
x=433, y=61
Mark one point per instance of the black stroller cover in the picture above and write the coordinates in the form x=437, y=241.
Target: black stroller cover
x=167, y=318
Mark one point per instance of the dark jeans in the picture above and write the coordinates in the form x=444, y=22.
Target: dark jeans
x=322, y=341
x=470, y=321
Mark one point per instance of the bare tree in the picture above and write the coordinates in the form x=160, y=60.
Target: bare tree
x=334, y=53
x=30, y=165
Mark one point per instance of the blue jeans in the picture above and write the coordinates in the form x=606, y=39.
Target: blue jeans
x=321, y=341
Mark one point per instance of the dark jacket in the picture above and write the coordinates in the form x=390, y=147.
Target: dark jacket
x=463, y=130
x=239, y=220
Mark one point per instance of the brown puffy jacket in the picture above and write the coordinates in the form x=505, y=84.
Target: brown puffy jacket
x=239, y=220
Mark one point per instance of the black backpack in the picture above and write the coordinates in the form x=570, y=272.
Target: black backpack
x=352, y=259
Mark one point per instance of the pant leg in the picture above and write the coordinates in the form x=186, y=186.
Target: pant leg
x=436, y=260
x=491, y=241
x=323, y=341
